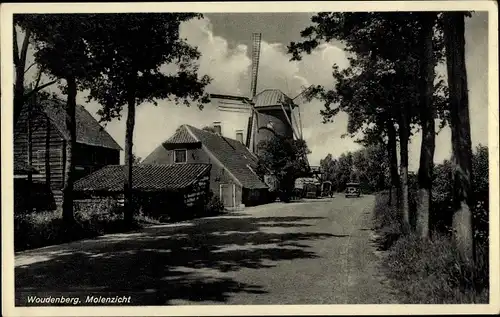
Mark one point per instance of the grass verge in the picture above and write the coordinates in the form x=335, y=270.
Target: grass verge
x=428, y=271
x=44, y=228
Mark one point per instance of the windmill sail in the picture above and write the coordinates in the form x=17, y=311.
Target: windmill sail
x=253, y=121
x=256, y=41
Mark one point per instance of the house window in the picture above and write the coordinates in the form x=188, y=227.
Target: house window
x=180, y=156
x=218, y=128
x=239, y=136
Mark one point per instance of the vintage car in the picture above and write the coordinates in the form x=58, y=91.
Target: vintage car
x=352, y=190
x=326, y=189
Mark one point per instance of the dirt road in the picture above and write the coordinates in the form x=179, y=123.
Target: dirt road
x=312, y=252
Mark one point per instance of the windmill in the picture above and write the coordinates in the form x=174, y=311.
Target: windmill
x=270, y=111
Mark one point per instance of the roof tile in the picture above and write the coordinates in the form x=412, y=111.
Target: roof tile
x=146, y=177
x=231, y=153
x=88, y=130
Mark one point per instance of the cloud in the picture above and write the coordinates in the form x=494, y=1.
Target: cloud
x=230, y=70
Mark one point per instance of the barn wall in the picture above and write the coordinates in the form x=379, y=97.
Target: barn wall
x=40, y=128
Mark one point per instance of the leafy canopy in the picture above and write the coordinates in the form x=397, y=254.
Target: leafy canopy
x=380, y=83
x=132, y=52
x=285, y=158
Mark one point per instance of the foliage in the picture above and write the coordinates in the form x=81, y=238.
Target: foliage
x=61, y=51
x=368, y=166
x=442, y=192
x=122, y=66
x=213, y=205
x=39, y=229
x=59, y=43
x=283, y=158
x=386, y=221
x=432, y=272
x=136, y=159
x=21, y=92
x=382, y=59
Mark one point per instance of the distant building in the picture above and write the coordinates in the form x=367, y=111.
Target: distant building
x=233, y=175
x=95, y=148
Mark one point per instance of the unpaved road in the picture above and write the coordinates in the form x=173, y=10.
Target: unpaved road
x=312, y=252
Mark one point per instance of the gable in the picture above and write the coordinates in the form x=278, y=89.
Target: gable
x=88, y=130
x=233, y=155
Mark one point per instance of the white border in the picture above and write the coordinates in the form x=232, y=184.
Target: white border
x=216, y=310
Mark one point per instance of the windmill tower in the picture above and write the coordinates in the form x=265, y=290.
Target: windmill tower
x=271, y=112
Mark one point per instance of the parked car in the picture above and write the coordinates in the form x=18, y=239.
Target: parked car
x=352, y=190
x=326, y=189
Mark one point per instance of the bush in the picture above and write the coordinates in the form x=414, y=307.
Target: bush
x=38, y=194
x=431, y=271
x=39, y=229
x=213, y=205
x=387, y=221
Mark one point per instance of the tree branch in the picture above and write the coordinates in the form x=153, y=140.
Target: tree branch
x=27, y=69
x=39, y=77
x=16, y=49
x=38, y=88
x=24, y=49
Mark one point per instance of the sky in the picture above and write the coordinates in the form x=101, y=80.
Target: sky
x=224, y=41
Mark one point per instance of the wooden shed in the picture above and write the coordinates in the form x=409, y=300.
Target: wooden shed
x=50, y=151
x=171, y=191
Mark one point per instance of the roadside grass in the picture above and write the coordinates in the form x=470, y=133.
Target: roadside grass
x=93, y=218
x=43, y=228
x=428, y=271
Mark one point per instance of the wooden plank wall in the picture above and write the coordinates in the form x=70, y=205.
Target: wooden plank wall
x=39, y=125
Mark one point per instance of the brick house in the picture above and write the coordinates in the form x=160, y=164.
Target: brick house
x=232, y=177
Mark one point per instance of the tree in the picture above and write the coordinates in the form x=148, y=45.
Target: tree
x=426, y=92
x=379, y=87
x=136, y=159
x=130, y=70
x=61, y=52
x=454, y=28
x=285, y=159
x=21, y=95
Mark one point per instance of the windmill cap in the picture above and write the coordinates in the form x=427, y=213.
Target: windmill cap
x=271, y=97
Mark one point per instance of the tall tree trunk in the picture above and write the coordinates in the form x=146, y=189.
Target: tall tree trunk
x=404, y=136
x=20, y=65
x=426, y=90
x=30, y=106
x=393, y=164
x=129, y=156
x=68, y=215
x=47, y=152
x=460, y=133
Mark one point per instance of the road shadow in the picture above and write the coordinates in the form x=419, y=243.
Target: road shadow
x=170, y=262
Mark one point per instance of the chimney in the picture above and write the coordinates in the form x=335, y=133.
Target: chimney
x=218, y=128
x=239, y=135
